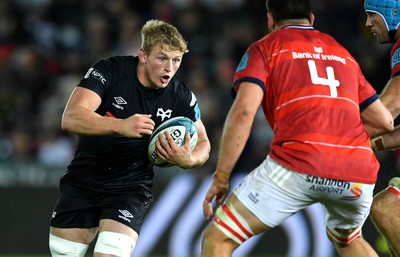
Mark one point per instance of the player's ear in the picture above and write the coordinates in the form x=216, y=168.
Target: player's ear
x=271, y=22
x=142, y=55
x=312, y=18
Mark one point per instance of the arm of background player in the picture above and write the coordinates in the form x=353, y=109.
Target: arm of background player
x=390, y=141
x=390, y=96
x=80, y=118
x=377, y=119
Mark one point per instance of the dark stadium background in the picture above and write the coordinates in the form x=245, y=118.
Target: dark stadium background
x=46, y=46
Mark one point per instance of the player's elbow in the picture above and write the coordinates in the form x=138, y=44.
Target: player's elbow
x=66, y=124
x=383, y=128
x=205, y=146
x=244, y=116
x=388, y=125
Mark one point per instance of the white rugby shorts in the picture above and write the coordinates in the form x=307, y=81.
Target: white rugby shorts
x=273, y=193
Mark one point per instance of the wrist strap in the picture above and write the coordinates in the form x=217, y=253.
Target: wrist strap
x=377, y=144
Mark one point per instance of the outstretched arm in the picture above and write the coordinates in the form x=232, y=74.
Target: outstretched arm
x=235, y=134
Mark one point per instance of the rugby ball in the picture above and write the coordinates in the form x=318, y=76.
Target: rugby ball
x=177, y=128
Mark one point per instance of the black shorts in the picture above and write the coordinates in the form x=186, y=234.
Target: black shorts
x=82, y=208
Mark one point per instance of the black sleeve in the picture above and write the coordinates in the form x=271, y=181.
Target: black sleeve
x=98, y=78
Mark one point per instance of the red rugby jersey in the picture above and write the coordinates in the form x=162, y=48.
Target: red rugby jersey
x=313, y=93
x=395, y=59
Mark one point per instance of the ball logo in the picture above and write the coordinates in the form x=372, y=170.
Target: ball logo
x=176, y=128
x=154, y=155
x=176, y=135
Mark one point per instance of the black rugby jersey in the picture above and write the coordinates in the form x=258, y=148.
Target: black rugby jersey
x=116, y=162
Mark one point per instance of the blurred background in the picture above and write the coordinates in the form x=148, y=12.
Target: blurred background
x=46, y=47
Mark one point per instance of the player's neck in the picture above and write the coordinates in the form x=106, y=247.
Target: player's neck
x=293, y=22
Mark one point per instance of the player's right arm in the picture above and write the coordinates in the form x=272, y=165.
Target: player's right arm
x=80, y=118
x=390, y=96
x=235, y=134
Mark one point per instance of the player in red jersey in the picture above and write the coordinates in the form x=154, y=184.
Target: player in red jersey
x=383, y=20
x=322, y=112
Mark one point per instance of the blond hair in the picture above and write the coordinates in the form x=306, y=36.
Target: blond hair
x=156, y=33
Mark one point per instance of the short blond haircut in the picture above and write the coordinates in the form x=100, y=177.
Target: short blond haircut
x=159, y=34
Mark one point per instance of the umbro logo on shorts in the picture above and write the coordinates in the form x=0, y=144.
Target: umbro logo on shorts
x=126, y=215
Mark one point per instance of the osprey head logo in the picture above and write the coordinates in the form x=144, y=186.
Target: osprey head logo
x=164, y=114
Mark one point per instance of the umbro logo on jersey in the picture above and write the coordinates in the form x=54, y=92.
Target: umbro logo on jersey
x=118, y=102
x=164, y=114
x=126, y=215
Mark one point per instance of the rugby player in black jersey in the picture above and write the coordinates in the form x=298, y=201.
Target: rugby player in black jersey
x=106, y=190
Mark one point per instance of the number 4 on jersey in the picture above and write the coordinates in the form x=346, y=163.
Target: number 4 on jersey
x=331, y=82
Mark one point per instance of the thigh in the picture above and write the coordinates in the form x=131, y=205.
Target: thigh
x=128, y=208
x=117, y=227
x=79, y=235
x=272, y=193
x=75, y=208
x=255, y=223
x=350, y=208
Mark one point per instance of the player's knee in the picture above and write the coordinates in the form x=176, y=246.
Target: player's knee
x=232, y=224
x=376, y=210
x=114, y=243
x=62, y=247
x=343, y=237
x=382, y=207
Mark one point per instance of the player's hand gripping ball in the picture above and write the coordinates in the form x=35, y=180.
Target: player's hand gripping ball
x=177, y=128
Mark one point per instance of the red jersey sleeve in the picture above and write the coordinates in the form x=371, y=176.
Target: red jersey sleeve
x=252, y=68
x=395, y=59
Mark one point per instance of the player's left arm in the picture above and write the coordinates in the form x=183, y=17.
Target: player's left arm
x=377, y=119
